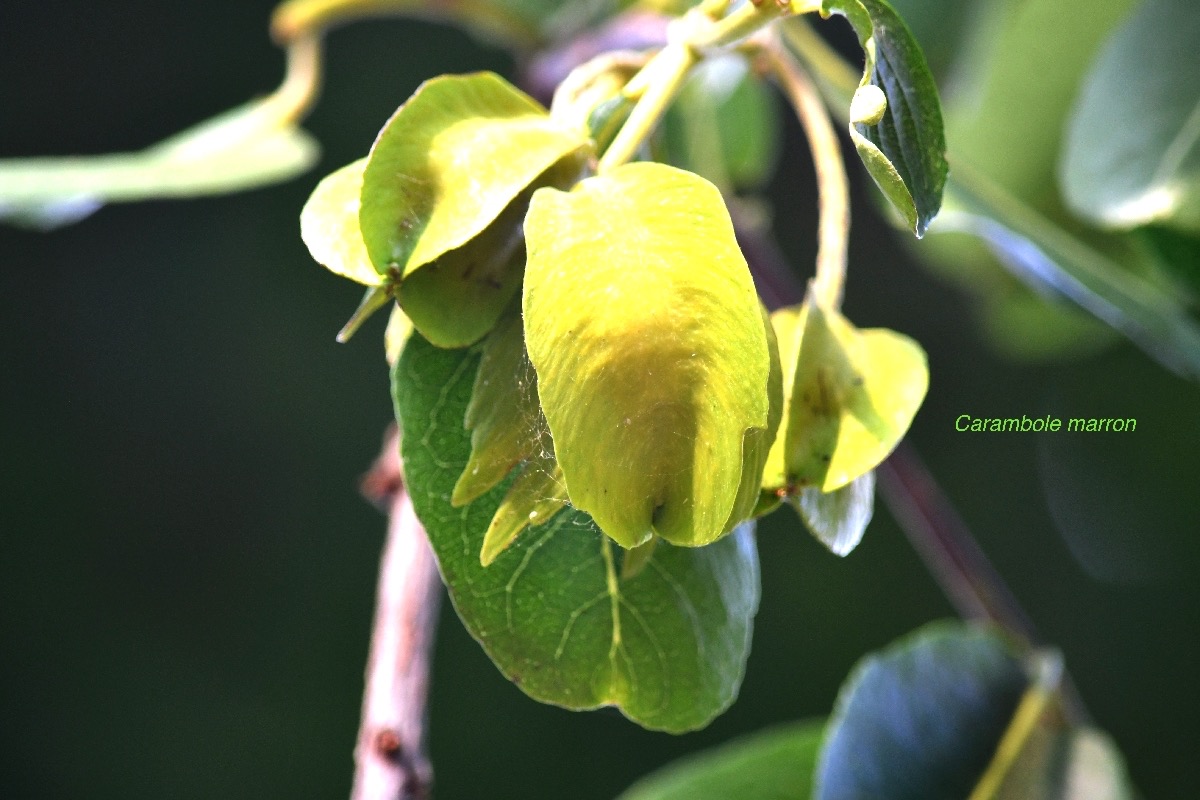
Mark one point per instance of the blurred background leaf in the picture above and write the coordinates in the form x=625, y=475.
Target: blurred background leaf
x=188, y=572
x=1132, y=150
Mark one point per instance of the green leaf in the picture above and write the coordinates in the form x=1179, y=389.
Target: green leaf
x=776, y=764
x=534, y=497
x=937, y=26
x=668, y=647
x=788, y=326
x=854, y=395
x=241, y=149
x=921, y=720
x=953, y=712
x=724, y=125
x=1132, y=150
x=444, y=193
x=896, y=118
x=399, y=328
x=1017, y=74
x=651, y=352
x=1016, y=69
x=329, y=226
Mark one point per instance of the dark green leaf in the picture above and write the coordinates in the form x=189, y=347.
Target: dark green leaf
x=896, y=118
x=1132, y=150
x=668, y=646
x=777, y=764
x=938, y=27
x=1016, y=68
x=953, y=712
x=921, y=720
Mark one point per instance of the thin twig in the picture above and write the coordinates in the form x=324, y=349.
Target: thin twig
x=954, y=558
x=390, y=758
x=945, y=544
x=833, y=227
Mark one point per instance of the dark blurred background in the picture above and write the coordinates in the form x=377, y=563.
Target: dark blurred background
x=186, y=568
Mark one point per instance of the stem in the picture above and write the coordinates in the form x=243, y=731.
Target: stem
x=1026, y=720
x=302, y=81
x=954, y=558
x=665, y=74
x=656, y=85
x=947, y=547
x=390, y=758
x=833, y=73
x=295, y=18
x=833, y=230
x=375, y=298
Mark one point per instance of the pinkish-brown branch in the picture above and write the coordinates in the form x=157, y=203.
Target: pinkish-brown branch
x=390, y=758
x=955, y=559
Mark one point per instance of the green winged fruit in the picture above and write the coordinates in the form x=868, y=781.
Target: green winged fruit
x=849, y=397
x=444, y=192
x=653, y=357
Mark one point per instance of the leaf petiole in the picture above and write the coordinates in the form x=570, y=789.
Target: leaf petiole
x=692, y=37
x=832, y=185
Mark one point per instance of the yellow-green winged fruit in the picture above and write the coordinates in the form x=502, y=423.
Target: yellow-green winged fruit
x=849, y=396
x=853, y=396
x=444, y=192
x=786, y=324
x=651, y=351
x=507, y=431
x=329, y=226
x=503, y=416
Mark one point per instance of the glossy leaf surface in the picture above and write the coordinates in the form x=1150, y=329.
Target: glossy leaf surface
x=776, y=764
x=448, y=162
x=651, y=351
x=444, y=192
x=668, y=647
x=896, y=117
x=957, y=712
x=1132, y=150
